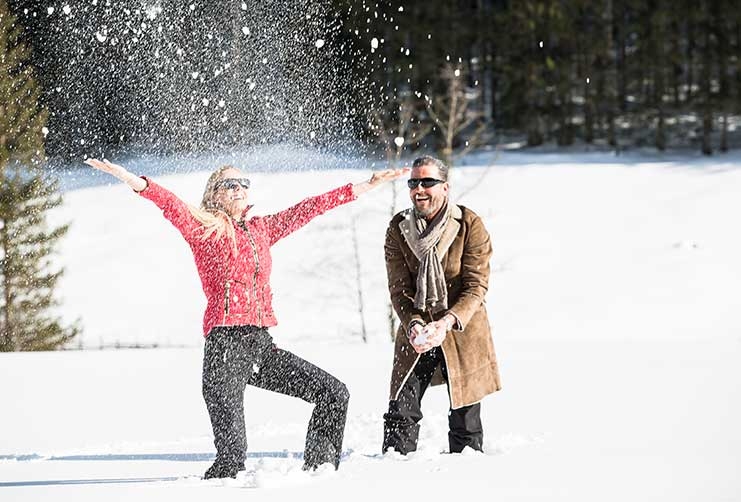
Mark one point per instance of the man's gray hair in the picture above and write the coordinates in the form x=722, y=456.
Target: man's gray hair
x=427, y=160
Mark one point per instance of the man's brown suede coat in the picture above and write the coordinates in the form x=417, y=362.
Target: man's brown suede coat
x=469, y=351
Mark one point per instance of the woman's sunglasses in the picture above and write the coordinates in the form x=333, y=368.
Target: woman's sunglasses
x=413, y=183
x=232, y=183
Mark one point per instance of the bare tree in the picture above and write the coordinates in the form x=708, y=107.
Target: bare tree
x=358, y=282
x=453, y=114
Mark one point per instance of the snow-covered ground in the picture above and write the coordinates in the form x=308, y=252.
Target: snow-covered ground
x=615, y=302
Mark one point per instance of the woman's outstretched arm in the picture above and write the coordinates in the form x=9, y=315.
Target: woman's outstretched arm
x=135, y=182
x=378, y=178
x=174, y=209
x=289, y=220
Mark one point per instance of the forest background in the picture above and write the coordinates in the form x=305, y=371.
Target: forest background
x=168, y=76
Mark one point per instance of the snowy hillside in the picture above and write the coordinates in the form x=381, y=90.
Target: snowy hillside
x=614, y=302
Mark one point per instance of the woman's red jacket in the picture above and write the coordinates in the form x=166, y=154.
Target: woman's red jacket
x=237, y=285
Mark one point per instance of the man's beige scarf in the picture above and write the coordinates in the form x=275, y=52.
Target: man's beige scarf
x=432, y=293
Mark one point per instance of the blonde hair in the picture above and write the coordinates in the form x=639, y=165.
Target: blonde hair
x=214, y=220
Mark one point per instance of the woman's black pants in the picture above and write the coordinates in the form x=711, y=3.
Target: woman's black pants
x=401, y=422
x=235, y=356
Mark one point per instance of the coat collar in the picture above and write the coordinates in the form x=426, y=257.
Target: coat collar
x=410, y=234
x=246, y=210
x=243, y=217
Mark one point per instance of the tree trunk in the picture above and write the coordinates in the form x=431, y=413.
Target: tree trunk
x=6, y=340
x=676, y=69
x=689, y=58
x=358, y=282
x=707, y=127
x=724, y=133
x=588, y=116
x=447, y=154
x=706, y=79
x=611, y=130
x=621, y=61
x=660, y=131
x=607, y=100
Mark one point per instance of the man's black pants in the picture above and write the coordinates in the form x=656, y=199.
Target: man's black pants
x=236, y=356
x=401, y=422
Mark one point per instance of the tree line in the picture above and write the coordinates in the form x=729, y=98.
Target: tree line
x=198, y=75
x=622, y=73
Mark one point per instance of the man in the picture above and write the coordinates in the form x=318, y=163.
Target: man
x=437, y=261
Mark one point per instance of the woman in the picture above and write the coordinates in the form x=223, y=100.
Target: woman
x=232, y=255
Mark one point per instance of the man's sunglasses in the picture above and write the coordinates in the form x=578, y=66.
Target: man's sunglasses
x=413, y=183
x=232, y=183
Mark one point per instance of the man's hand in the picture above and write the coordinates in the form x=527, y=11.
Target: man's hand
x=418, y=338
x=435, y=332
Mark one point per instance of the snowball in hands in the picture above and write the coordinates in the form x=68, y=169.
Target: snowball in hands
x=421, y=339
x=430, y=334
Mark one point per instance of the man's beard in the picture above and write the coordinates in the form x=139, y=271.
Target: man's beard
x=430, y=211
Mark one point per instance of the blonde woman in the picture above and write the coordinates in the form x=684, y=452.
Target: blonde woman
x=232, y=255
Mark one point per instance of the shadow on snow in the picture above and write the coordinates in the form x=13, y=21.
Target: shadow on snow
x=175, y=457
x=58, y=482
x=119, y=457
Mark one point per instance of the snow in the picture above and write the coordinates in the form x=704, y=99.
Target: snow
x=614, y=303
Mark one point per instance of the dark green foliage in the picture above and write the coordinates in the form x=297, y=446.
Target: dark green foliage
x=27, y=275
x=622, y=73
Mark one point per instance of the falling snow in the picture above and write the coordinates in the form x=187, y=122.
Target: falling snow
x=181, y=63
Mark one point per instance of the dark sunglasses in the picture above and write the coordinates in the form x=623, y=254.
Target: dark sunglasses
x=232, y=183
x=413, y=183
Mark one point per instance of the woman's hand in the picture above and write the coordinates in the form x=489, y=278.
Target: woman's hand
x=379, y=178
x=135, y=182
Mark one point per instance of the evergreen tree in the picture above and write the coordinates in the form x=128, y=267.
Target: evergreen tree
x=27, y=278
